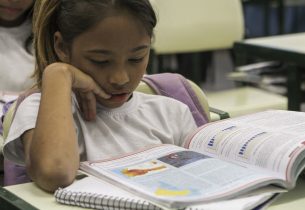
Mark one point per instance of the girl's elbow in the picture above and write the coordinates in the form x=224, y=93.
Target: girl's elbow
x=52, y=178
x=52, y=182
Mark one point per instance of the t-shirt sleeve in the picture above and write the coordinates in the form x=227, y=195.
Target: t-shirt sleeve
x=24, y=119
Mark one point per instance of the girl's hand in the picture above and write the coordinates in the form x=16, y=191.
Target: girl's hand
x=85, y=88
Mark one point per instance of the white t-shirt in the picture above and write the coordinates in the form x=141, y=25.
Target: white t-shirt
x=16, y=64
x=144, y=120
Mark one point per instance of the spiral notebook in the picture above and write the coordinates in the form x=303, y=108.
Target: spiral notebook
x=91, y=192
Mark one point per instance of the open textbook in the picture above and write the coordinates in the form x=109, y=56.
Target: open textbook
x=221, y=160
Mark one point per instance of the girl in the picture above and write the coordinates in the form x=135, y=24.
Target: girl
x=91, y=55
x=16, y=59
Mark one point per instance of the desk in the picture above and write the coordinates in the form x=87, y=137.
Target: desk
x=244, y=100
x=35, y=198
x=289, y=49
x=29, y=192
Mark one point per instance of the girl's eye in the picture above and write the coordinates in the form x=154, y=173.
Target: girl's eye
x=104, y=62
x=136, y=60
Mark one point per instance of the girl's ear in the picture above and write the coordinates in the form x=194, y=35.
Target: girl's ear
x=60, y=48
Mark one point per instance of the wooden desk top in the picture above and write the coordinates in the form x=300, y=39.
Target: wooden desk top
x=286, y=48
x=290, y=42
x=38, y=198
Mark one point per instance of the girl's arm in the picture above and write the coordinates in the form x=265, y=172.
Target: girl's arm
x=51, y=149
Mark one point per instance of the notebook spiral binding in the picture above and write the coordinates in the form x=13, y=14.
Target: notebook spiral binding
x=103, y=202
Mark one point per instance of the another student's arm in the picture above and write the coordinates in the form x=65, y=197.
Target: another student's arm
x=51, y=149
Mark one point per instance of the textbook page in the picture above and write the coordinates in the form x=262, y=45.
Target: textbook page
x=273, y=140
x=175, y=177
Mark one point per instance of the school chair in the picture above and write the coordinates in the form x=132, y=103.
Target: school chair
x=208, y=25
x=182, y=89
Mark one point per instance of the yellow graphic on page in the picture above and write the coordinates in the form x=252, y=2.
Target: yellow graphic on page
x=166, y=192
x=143, y=169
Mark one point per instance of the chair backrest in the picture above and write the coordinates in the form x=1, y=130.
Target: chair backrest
x=178, y=87
x=197, y=25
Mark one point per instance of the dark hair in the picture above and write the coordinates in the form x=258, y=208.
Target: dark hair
x=73, y=17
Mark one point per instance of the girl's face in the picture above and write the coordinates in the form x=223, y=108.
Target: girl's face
x=12, y=11
x=115, y=54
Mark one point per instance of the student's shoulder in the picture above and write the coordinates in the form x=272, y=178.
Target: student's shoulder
x=23, y=100
x=29, y=96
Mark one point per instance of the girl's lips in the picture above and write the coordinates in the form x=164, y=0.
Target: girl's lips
x=123, y=97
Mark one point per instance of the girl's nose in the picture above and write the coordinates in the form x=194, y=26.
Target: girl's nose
x=119, y=77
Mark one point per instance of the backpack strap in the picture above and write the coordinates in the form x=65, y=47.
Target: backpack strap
x=4, y=110
x=8, y=112
x=178, y=87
